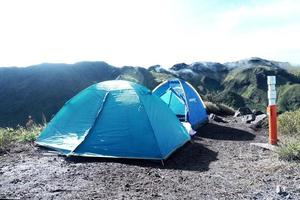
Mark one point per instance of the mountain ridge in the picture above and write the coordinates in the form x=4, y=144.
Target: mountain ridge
x=41, y=90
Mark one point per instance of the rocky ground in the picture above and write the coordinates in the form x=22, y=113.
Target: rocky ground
x=219, y=163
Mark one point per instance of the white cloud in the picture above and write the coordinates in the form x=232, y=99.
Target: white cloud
x=144, y=33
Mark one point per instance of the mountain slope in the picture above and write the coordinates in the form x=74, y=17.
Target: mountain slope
x=250, y=83
x=43, y=89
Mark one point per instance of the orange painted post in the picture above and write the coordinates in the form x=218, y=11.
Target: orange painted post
x=272, y=111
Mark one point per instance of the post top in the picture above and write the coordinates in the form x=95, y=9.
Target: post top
x=271, y=80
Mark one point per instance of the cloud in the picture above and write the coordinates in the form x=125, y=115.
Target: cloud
x=145, y=33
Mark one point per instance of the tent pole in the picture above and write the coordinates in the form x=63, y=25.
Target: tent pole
x=170, y=98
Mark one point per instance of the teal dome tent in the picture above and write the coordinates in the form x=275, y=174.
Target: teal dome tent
x=118, y=119
x=184, y=101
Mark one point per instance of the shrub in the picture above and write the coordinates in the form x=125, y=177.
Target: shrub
x=9, y=135
x=6, y=137
x=219, y=109
x=289, y=128
x=289, y=123
x=290, y=151
x=226, y=110
x=28, y=134
x=211, y=107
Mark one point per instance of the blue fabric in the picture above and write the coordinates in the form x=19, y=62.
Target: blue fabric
x=115, y=119
x=196, y=113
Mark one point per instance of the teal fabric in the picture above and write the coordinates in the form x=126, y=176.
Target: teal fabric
x=174, y=102
x=115, y=119
x=195, y=112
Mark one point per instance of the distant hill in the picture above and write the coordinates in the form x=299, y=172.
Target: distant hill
x=42, y=90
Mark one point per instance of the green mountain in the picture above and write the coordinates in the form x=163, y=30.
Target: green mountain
x=250, y=83
x=41, y=90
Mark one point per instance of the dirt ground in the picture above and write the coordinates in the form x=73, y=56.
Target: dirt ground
x=219, y=163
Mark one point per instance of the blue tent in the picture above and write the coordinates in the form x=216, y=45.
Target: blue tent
x=183, y=100
x=117, y=119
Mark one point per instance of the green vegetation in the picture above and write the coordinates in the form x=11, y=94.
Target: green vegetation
x=250, y=88
x=219, y=109
x=289, y=128
x=290, y=151
x=161, y=77
x=45, y=88
x=294, y=70
x=8, y=136
x=289, y=123
x=289, y=97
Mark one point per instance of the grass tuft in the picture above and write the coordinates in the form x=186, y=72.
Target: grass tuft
x=289, y=123
x=8, y=136
x=290, y=151
x=289, y=128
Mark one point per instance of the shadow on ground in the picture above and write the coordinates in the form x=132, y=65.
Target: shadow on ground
x=193, y=156
x=217, y=132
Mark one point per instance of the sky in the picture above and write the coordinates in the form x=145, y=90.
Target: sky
x=147, y=32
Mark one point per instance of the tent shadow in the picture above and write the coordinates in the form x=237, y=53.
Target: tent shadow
x=193, y=156
x=218, y=132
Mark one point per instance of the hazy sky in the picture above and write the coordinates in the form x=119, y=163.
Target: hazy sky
x=145, y=33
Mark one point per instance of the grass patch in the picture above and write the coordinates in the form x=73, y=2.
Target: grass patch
x=289, y=123
x=8, y=136
x=289, y=128
x=289, y=97
x=218, y=109
x=290, y=150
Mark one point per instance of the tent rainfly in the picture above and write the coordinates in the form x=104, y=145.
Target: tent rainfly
x=117, y=119
x=183, y=100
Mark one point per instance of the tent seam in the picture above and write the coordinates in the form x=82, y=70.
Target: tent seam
x=93, y=125
x=177, y=95
x=186, y=102
x=152, y=129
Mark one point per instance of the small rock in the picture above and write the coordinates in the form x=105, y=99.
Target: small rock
x=278, y=189
x=254, y=127
x=258, y=122
x=259, y=118
x=281, y=190
x=288, y=196
x=250, y=118
x=247, y=118
x=257, y=112
x=156, y=195
x=216, y=118
x=15, y=181
x=242, y=111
